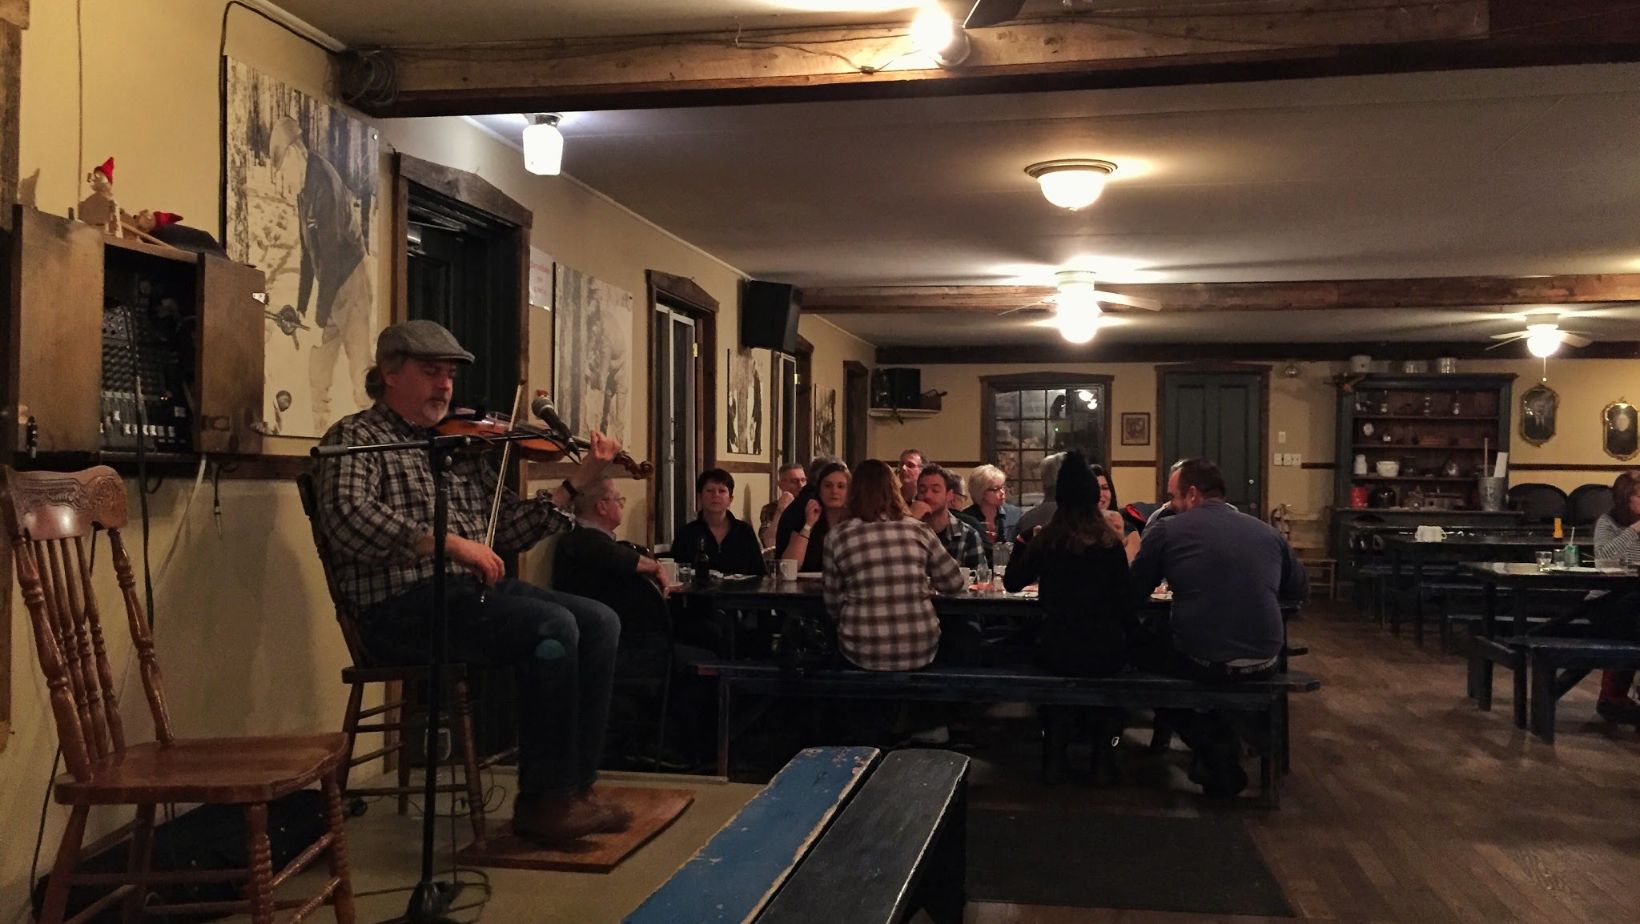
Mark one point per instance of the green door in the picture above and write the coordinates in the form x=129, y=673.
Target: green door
x=1219, y=415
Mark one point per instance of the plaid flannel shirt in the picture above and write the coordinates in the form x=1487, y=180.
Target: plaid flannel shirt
x=375, y=507
x=963, y=541
x=879, y=581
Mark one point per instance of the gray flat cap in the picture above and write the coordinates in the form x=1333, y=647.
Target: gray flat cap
x=421, y=339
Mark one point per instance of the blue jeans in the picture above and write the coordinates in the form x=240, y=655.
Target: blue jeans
x=561, y=646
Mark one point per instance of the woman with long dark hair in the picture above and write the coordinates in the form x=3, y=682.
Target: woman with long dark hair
x=1112, y=513
x=1081, y=571
x=820, y=515
x=1617, y=535
x=882, y=569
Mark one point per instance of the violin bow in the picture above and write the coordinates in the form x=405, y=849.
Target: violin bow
x=501, y=481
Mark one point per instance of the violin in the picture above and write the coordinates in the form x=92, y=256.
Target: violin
x=540, y=447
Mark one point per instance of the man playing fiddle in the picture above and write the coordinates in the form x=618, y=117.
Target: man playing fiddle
x=376, y=511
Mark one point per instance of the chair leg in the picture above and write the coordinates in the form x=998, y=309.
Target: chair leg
x=142, y=845
x=259, y=887
x=1522, y=700
x=469, y=758
x=402, y=755
x=666, y=695
x=350, y=728
x=68, y=857
x=341, y=900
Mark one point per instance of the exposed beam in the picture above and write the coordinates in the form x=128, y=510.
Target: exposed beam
x=1111, y=351
x=1269, y=39
x=1453, y=292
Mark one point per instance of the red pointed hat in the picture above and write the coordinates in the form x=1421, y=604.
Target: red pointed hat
x=161, y=219
x=106, y=168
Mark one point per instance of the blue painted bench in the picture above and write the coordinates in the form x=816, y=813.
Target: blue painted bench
x=735, y=874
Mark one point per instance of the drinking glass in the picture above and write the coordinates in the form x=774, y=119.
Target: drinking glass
x=1544, y=558
x=1001, y=554
x=982, y=578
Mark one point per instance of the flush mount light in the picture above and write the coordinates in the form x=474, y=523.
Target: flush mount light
x=1072, y=183
x=544, y=145
x=935, y=33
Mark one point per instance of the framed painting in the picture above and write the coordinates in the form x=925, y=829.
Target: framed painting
x=745, y=402
x=592, y=354
x=1135, y=428
x=1538, y=406
x=1618, y=430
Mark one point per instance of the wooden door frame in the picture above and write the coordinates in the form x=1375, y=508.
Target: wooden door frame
x=683, y=292
x=856, y=422
x=1211, y=366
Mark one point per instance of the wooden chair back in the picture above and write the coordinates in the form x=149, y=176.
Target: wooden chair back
x=51, y=517
x=307, y=486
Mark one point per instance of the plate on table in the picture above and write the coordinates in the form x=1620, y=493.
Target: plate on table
x=809, y=575
x=1579, y=569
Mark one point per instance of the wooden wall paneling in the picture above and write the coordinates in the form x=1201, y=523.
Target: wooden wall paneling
x=57, y=294
x=231, y=352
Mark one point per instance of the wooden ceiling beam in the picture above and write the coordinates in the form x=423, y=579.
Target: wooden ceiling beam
x=1271, y=39
x=1455, y=293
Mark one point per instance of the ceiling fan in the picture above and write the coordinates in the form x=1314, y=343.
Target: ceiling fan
x=1543, y=335
x=1077, y=306
x=991, y=12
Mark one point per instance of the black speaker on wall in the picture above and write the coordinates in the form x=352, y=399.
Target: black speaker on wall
x=768, y=315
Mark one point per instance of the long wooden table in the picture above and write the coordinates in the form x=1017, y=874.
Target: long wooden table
x=1458, y=547
x=1524, y=579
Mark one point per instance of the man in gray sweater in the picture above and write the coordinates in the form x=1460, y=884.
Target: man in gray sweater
x=1228, y=573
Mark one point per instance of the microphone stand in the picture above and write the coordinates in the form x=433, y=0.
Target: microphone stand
x=428, y=903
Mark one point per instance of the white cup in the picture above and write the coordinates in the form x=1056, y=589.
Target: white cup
x=669, y=567
x=788, y=569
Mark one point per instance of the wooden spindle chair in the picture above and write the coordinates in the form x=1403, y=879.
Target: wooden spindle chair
x=50, y=517
x=396, y=679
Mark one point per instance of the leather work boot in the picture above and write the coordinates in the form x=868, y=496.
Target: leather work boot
x=613, y=816
x=554, y=821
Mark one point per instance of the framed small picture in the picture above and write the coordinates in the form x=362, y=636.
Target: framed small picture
x=1135, y=428
x=1537, y=414
x=1619, y=431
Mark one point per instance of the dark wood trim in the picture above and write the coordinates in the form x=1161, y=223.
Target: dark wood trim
x=1320, y=466
x=1326, y=39
x=1130, y=463
x=740, y=467
x=1211, y=367
x=1431, y=293
x=987, y=422
x=1113, y=352
x=1569, y=467
x=681, y=292
x=462, y=186
x=855, y=422
x=398, y=253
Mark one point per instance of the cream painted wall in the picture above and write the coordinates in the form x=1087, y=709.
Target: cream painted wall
x=1303, y=407
x=245, y=628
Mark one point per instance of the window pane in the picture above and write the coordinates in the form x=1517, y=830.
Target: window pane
x=1031, y=434
x=1033, y=403
x=1056, y=404
x=1009, y=463
x=1031, y=464
x=1006, y=437
x=1005, y=405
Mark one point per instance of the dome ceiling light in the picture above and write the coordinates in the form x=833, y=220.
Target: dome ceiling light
x=1072, y=183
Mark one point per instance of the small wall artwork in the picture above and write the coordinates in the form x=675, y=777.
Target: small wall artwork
x=1621, y=433
x=1135, y=428
x=592, y=354
x=745, y=402
x=1538, y=406
x=825, y=423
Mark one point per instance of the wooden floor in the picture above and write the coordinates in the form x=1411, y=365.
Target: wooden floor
x=1408, y=804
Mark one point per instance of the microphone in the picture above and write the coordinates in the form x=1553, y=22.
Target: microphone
x=543, y=408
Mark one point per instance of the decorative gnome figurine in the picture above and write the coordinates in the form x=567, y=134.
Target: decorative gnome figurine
x=99, y=208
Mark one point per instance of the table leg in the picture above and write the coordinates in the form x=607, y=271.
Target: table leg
x=1543, y=699
x=1522, y=703
x=1395, y=590
x=723, y=728
x=1517, y=604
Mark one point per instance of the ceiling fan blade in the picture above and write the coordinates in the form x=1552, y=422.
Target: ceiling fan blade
x=990, y=12
x=1512, y=335
x=1575, y=340
x=1034, y=306
x=1132, y=301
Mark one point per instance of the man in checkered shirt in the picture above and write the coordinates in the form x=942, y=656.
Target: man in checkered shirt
x=375, y=515
x=935, y=488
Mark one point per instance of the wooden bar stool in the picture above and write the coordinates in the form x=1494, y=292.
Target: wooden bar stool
x=49, y=516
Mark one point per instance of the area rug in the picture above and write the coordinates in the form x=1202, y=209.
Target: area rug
x=653, y=809
x=1054, y=856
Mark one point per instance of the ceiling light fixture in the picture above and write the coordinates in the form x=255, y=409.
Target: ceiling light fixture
x=544, y=145
x=1542, y=340
x=1073, y=183
x=935, y=33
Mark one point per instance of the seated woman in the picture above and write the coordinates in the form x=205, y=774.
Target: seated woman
x=1617, y=535
x=996, y=519
x=1111, y=511
x=882, y=569
x=730, y=544
x=819, y=517
x=1081, y=572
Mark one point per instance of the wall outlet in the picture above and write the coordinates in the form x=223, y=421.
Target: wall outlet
x=1281, y=437
x=1295, y=458
x=1281, y=459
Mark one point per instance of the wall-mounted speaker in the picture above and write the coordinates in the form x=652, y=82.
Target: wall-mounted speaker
x=768, y=315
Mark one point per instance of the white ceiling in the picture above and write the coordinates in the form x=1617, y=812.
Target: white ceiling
x=1502, y=172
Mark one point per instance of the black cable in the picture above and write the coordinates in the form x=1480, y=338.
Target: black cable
x=142, y=457
x=45, y=803
x=222, y=100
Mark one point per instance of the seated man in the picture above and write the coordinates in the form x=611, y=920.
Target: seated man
x=375, y=513
x=1229, y=573
x=793, y=477
x=934, y=487
x=1043, y=511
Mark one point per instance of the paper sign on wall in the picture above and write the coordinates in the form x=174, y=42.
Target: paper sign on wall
x=540, y=278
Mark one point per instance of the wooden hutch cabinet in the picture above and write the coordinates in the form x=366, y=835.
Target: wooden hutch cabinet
x=1425, y=440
